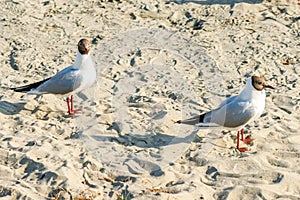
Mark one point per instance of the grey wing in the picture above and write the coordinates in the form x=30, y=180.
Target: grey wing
x=63, y=82
x=216, y=117
x=227, y=101
x=231, y=115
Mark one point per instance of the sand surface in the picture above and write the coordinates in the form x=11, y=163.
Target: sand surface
x=156, y=61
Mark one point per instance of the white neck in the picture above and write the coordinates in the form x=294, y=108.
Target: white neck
x=80, y=60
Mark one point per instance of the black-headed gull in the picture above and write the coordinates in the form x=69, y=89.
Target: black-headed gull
x=80, y=75
x=237, y=111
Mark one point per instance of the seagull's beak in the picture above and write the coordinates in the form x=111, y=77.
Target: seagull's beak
x=269, y=86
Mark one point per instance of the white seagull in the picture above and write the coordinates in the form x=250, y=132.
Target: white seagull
x=68, y=81
x=237, y=111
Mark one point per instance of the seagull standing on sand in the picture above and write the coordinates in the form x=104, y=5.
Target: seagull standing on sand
x=237, y=111
x=68, y=81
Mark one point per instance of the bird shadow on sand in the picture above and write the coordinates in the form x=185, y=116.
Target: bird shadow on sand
x=216, y=2
x=150, y=140
x=213, y=2
x=8, y=108
x=149, y=153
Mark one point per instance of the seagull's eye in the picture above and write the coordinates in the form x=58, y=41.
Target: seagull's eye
x=259, y=82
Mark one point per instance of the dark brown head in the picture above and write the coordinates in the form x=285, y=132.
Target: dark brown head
x=259, y=83
x=84, y=46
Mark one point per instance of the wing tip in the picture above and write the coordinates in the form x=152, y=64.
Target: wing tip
x=20, y=89
x=30, y=88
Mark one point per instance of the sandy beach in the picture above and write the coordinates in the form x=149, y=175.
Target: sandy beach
x=157, y=62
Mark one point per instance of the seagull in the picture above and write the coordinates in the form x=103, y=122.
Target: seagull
x=237, y=111
x=75, y=78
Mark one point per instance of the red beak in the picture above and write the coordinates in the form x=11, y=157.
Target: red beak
x=269, y=86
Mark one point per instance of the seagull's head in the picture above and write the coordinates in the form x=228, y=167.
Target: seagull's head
x=259, y=83
x=84, y=46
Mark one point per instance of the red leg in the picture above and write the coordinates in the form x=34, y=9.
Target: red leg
x=248, y=139
x=242, y=133
x=72, y=104
x=241, y=149
x=71, y=110
x=69, y=105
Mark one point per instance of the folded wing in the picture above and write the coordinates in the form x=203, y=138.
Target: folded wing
x=64, y=82
x=231, y=114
